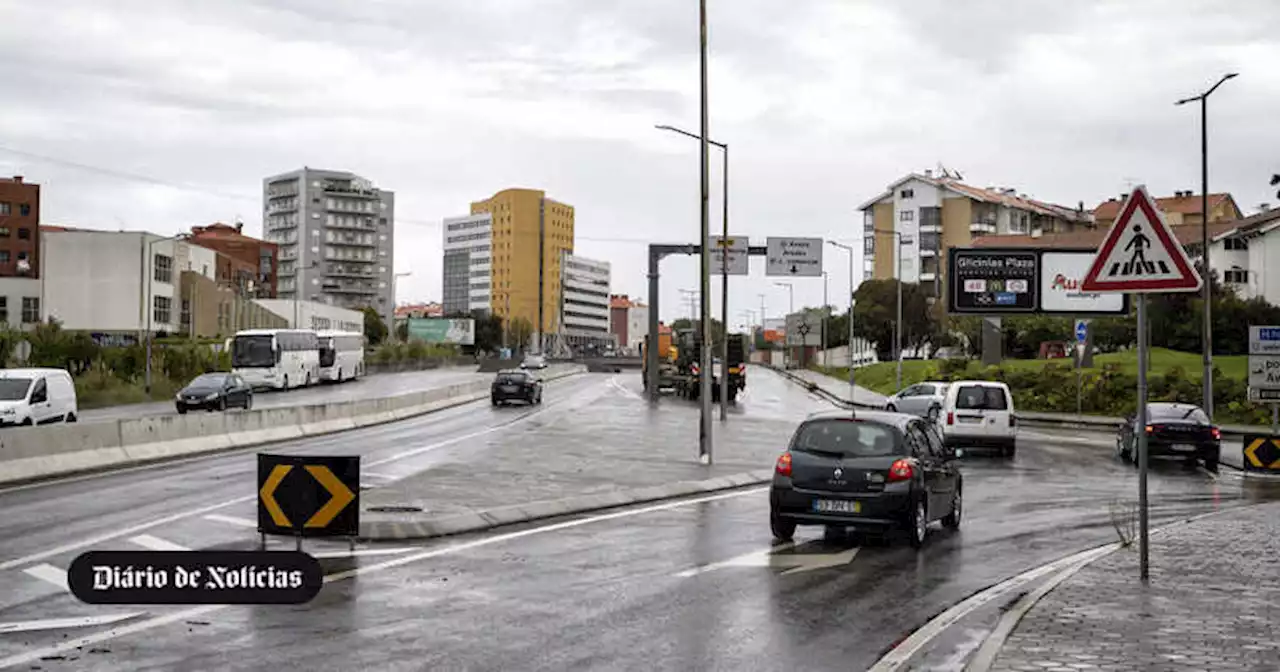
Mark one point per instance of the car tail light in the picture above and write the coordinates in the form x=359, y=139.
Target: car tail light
x=1150, y=429
x=901, y=471
x=1217, y=433
x=1013, y=422
x=783, y=468
x=694, y=369
x=951, y=418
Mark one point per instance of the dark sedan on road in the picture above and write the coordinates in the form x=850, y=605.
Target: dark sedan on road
x=874, y=470
x=516, y=386
x=1173, y=430
x=215, y=392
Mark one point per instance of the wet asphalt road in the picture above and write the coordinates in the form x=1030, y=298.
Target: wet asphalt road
x=369, y=387
x=686, y=585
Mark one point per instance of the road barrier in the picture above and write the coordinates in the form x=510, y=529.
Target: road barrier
x=34, y=453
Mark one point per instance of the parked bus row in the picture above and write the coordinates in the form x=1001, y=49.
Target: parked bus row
x=283, y=359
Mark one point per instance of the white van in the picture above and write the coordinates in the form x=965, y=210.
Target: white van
x=979, y=414
x=36, y=397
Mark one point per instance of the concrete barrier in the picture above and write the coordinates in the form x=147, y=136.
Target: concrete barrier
x=34, y=453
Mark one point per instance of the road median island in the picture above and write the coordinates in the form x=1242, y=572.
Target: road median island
x=589, y=453
x=38, y=453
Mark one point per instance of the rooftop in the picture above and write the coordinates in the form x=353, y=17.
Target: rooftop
x=1184, y=202
x=1006, y=197
x=1187, y=234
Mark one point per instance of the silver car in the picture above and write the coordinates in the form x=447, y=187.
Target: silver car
x=922, y=399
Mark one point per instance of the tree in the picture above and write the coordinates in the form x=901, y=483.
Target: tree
x=402, y=331
x=375, y=330
x=488, y=331
x=519, y=331
x=1024, y=334
x=875, y=309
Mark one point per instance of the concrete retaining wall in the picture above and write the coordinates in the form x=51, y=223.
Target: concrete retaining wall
x=33, y=453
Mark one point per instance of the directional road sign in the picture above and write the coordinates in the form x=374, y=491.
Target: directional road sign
x=738, y=254
x=794, y=257
x=1261, y=453
x=1264, y=340
x=1082, y=331
x=1140, y=254
x=804, y=328
x=308, y=496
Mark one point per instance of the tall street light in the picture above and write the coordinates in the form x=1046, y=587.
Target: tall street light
x=149, y=271
x=1204, y=237
x=791, y=309
x=849, y=249
x=395, y=287
x=724, y=267
x=826, y=311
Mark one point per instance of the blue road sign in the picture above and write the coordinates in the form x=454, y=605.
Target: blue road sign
x=1006, y=299
x=1082, y=331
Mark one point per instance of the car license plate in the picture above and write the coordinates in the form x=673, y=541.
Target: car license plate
x=836, y=506
x=510, y=388
x=1183, y=448
x=972, y=419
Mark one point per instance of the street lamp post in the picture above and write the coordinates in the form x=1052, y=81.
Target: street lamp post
x=897, y=325
x=825, y=312
x=724, y=265
x=791, y=309
x=1204, y=238
x=394, y=290
x=849, y=249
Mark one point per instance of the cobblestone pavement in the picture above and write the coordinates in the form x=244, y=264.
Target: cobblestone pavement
x=1213, y=603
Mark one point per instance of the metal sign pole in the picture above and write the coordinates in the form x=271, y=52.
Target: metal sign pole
x=1275, y=418
x=1143, y=549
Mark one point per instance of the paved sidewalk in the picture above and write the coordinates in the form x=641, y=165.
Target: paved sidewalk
x=606, y=446
x=840, y=388
x=1213, y=603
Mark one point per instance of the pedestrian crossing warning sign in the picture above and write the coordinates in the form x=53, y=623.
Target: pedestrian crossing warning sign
x=1140, y=254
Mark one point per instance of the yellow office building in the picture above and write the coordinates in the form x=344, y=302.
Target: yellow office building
x=530, y=234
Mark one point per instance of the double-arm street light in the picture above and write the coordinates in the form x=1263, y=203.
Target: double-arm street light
x=724, y=268
x=849, y=249
x=1204, y=237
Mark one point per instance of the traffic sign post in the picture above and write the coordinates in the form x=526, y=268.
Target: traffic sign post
x=1264, y=370
x=732, y=252
x=794, y=257
x=308, y=496
x=1141, y=256
x=1082, y=344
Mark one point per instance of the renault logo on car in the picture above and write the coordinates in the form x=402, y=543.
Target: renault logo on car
x=838, y=472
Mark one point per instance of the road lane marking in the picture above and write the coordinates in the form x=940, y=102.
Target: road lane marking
x=65, y=623
x=790, y=557
x=49, y=573
x=156, y=543
x=619, y=387
x=134, y=529
x=374, y=474
x=752, y=559
x=359, y=553
x=188, y=614
x=232, y=520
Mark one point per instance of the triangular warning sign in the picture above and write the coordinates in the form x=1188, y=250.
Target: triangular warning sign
x=1140, y=254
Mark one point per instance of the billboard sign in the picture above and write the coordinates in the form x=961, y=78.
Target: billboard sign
x=1061, y=273
x=443, y=330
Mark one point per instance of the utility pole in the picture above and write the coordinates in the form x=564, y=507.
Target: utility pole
x=848, y=248
x=825, y=312
x=705, y=440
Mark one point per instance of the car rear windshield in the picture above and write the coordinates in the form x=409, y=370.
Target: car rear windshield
x=13, y=389
x=512, y=378
x=847, y=438
x=981, y=398
x=1159, y=413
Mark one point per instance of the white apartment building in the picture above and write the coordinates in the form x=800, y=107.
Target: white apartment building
x=1243, y=256
x=585, y=305
x=315, y=315
x=468, y=263
x=637, y=325
x=117, y=282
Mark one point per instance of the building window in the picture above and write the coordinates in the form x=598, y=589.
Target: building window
x=907, y=216
x=4, y=256
x=908, y=193
x=1236, y=244
x=161, y=308
x=24, y=210
x=30, y=309
x=4, y=310
x=162, y=268
x=4, y=208
x=1236, y=276
x=24, y=233
x=4, y=232
x=868, y=246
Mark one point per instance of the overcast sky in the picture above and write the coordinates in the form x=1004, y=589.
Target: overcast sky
x=822, y=103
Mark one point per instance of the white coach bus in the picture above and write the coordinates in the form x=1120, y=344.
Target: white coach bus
x=341, y=355
x=276, y=358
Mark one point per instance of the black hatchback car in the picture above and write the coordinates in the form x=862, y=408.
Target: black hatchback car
x=874, y=470
x=214, y=392
x=1173, y=430
x=516, y=385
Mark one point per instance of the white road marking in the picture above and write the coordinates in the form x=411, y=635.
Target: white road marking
x=47, y=572
x=619, y=387
x=359, y=552
x=64, y=623
x=156, y=543
x=374, y=474
x=187, y=614
x=752, y=559
x=780, y=556
x=232, y=520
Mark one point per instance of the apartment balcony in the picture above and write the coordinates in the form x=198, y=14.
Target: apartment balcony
x=337, y=288
x=352, y=226
x=928, y=276
x=352, y=242
x=348, y=189
x=982, y=227
x=930, y=228
x=350, y=273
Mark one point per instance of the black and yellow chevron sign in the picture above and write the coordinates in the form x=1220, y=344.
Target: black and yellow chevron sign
x=308, y=496
x=1262, y=453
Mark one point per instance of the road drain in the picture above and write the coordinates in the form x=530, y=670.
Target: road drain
x=395, y=509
